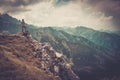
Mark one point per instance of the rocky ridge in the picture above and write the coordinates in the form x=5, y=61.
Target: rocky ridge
x=53, y=62
x=45, y=57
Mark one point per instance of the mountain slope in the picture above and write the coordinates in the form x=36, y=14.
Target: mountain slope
x=6, y=20
x=89, y=59
x=104, y=39
x=27, y=59
x=17, y=60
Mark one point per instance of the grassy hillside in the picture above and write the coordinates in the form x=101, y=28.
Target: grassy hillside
x=17, y=60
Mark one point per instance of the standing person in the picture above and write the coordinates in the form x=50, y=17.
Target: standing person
x=23, y=26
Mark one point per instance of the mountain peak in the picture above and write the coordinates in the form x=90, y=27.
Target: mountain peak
x=83, y=28
x=9, y=18
x=5, y=15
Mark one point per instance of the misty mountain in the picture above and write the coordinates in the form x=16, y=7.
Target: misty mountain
x=6, y=21
x=104, y=39
x=114, y=32
x=91, y=51
x=88, y=58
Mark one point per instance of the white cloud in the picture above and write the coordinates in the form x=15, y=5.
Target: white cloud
x=72, y=14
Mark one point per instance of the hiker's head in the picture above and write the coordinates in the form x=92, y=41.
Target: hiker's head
x=22, y=20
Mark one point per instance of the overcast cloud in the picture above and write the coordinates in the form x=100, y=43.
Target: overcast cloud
x=97, y=14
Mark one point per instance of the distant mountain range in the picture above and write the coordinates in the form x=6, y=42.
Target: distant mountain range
x=104, y=39
x=95, y=54
x=89, y=58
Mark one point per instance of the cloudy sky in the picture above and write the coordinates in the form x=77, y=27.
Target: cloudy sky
x=97, y=14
